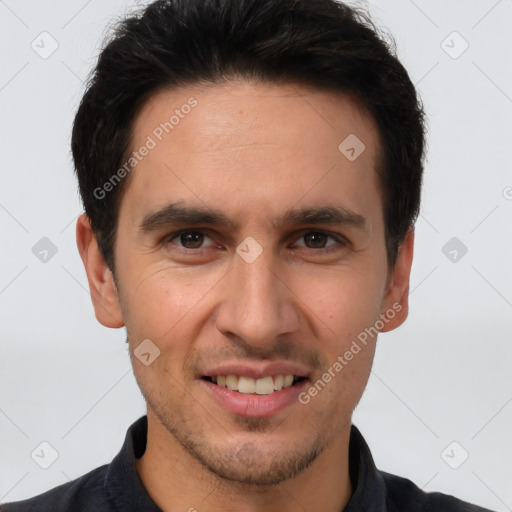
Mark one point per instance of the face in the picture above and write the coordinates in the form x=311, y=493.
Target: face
x=250, y=247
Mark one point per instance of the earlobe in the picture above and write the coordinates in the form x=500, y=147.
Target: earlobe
x=101, y=282
x=395, y=306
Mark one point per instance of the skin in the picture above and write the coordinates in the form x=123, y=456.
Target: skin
x=253, y=151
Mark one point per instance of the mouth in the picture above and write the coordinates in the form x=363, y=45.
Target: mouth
x=250, y=386
x=254, y=396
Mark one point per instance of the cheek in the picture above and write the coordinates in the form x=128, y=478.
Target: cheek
x=164, y=305
x=160, y=300
x=342, y=302
x=346, y=387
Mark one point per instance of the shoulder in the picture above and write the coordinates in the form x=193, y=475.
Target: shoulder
x=402, y=494
x=84, y=494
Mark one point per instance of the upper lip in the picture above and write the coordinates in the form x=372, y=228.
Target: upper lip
x=256, y=370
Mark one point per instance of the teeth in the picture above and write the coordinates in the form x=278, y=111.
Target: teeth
x=278, y=382
x=248, y=385
x=288, y=381
x=232, y=382
x=263, y=386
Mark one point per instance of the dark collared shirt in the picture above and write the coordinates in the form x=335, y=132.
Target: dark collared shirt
x=116, y=487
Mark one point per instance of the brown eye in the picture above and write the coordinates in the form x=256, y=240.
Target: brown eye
x=315, y=240
x=189, y=242
x=191, y=239
x=320, y=242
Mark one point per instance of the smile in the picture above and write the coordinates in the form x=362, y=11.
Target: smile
x=256, y=397
x=248, y=385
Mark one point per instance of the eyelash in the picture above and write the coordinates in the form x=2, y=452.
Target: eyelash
x=341, y=241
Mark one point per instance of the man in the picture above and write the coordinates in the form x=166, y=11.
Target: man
x=251, y=174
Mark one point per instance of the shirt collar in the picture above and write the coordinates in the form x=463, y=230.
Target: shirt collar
x=122, y=482
x=126, y=491
x=368, y=487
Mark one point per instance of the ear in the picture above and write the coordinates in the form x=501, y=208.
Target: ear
x=395, y=306
x=101, y=282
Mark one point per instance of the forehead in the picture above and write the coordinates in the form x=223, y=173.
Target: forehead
x=224, y=113
x=237, y=143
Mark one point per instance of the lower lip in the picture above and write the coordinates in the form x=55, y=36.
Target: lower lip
x=254, y=406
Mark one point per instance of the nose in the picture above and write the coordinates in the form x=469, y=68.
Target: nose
x=258, y=305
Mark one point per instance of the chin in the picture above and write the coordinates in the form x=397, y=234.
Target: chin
x=248, y=465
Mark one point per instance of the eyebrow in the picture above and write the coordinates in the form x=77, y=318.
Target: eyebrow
x=176, y=214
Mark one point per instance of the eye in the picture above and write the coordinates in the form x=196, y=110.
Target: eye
x=317, y=240
x=188, y=239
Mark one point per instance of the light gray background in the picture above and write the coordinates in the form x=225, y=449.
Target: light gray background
x=444, y=376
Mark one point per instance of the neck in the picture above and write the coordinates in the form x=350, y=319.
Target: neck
x=176, y=481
